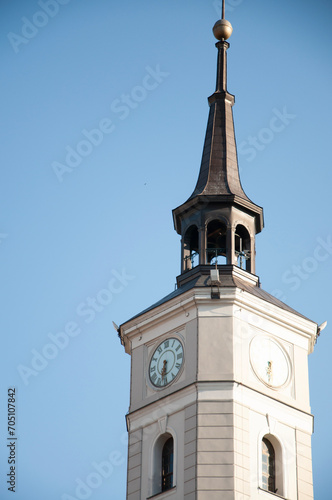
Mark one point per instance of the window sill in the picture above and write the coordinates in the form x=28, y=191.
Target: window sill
x=271, y=493
x=163, y=494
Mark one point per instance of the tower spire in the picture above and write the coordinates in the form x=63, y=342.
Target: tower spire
x=222, y=30
x=218, y=189
x=219, y=173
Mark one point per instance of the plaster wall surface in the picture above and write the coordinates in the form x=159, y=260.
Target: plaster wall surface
x=174, y=416
x=217, y=409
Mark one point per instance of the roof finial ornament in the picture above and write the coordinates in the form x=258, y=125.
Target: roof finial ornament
x=222, y=30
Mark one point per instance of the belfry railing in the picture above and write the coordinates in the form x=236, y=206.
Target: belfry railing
x=212, y=255
x=242, y=257
x=191, y=260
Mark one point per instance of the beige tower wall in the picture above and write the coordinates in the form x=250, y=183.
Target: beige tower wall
x=217, y=410
x=222, y=451
x=134, y=472
x=304, y=465
x=190, y=452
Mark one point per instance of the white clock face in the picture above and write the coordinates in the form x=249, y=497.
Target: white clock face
x=166, y=362
x=269, y=361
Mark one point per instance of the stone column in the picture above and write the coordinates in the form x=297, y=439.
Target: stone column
x=202, y=244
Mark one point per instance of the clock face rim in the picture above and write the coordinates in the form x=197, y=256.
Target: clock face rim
x=160, y=387
x=257, y=371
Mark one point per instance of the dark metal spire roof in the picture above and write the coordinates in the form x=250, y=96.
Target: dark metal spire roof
x=219, y=172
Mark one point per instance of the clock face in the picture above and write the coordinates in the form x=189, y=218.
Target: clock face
x=270, y=362
x=166, y=362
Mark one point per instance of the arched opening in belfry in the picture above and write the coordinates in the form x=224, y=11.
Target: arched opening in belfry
x=242, y=248
x=216, y=242
x=190, y=248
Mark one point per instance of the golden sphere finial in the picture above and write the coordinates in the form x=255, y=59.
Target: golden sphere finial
x=222, y=30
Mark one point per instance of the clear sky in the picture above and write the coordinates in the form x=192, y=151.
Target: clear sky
x=104, y=110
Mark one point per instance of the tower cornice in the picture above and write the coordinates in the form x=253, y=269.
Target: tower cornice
x=233, y=291
x=199, y=202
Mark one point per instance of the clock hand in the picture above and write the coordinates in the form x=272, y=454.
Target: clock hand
x=163, y=371
x=269, y=371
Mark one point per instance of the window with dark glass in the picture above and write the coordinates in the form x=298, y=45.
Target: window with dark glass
x=268, y=466
x=167, y=465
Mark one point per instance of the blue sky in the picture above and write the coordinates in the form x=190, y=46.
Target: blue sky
x=75, y=225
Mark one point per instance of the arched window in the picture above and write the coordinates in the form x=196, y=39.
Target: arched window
x=268, y=466
x=190, y=248
x=167, y=459
x=242, y=247
x=163, y=464
x=216, y=242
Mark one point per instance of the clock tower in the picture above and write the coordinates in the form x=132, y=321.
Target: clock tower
x=219, y=392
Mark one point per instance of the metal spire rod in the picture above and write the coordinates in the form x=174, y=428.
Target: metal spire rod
x=223, y=9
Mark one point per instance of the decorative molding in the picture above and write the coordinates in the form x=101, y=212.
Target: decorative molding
x=163, y=424
x=271, y=422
